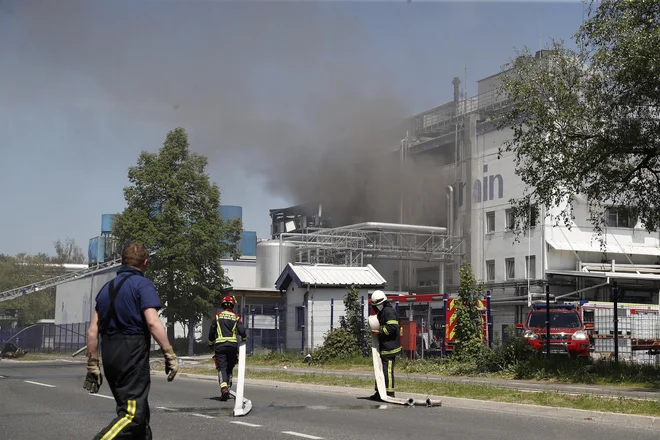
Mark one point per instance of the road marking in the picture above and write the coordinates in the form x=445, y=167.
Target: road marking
x=298, y=434
x=102, y=395
x=202, y=415
x=2, y=377
x=166, y=409
x=39, y=383
x=254, y=425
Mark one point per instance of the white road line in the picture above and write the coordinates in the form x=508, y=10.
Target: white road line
x=2, y=377
x=202, y=415
x=102, y=395
x=254, y=425
x=166, y=409
x=298, y=434
x=39, y=383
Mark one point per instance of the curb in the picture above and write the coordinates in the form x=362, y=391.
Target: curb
x=557, y=413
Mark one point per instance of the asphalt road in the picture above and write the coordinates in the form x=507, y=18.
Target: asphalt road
x=46, y=400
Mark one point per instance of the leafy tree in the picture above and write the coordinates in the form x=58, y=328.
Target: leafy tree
x=585, y=121
x=172, y=207
x=352, y=321
x=23, y=270
x=68, y=251
x=468, y=343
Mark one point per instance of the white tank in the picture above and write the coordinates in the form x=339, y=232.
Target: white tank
x=271, y=261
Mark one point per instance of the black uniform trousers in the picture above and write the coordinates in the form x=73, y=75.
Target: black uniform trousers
x=126, y=368
x=226, y=357
x=388, y=371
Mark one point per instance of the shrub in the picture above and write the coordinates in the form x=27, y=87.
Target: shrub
x=339, y=344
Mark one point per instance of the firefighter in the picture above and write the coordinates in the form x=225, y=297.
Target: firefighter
x=388, y=338
x=126, y=318
x=223, y=336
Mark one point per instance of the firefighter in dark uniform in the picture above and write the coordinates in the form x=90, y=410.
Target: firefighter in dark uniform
x=126, y=318
x=388, y=338
x=222, y=336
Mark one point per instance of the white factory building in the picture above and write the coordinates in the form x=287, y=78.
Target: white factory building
x=570, y=259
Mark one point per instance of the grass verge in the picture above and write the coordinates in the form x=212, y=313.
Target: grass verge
x=480, y=392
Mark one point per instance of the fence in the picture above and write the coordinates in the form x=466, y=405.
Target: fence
x=47, y=338
x=266, y=327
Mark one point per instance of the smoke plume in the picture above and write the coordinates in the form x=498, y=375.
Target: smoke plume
x=289, y=91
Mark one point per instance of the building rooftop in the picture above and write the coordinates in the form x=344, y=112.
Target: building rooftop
x=329, y=276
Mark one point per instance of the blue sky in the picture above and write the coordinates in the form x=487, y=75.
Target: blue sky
x=265, y=90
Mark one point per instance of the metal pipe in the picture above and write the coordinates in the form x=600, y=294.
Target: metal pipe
x=396, y=227
x=547, y=321
x=615, y=295
x=450, y=210
x=332, y=312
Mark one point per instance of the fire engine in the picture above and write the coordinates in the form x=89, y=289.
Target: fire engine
x=568, y=333
x=428, y=322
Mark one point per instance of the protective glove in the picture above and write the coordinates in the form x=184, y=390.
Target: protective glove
x=94, y=378
x=171, y=365
x=211, y=344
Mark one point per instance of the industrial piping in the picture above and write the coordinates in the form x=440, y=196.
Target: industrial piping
x=396, y=227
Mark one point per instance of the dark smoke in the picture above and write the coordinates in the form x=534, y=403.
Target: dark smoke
x=287, y=90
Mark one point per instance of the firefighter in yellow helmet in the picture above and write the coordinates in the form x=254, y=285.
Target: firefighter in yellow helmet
x=223, y=337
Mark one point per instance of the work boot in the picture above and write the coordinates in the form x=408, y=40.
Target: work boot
x=376, y=397
x=225, y=394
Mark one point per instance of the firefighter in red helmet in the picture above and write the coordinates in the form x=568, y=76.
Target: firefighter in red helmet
x=223, y=336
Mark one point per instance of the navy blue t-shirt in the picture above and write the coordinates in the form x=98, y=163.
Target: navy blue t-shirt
x=136, y=294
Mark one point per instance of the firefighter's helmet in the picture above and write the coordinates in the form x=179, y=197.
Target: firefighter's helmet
x=228, y=302
x=378, y=298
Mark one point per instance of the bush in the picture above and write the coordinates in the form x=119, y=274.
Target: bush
x=339, y=344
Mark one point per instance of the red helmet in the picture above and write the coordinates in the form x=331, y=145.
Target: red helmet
x=228, y=301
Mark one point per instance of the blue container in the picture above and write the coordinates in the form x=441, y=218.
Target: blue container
x=248, y=245
x=106, y=223
x=230, y=212
x=93, y=251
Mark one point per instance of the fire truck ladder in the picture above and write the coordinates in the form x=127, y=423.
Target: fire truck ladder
x=52, y=282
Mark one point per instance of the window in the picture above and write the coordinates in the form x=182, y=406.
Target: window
x=618, y=218
x=510, y=219
x=510, y=264
x=533, y=216
x=530, y=267
x=490, y=270
x=449, y=275
x=490, y=222
x=300, y=317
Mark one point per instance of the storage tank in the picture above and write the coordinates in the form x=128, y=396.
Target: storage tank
x=248, y=243
x=271, y=261
x=106, y=223
x=230, y=212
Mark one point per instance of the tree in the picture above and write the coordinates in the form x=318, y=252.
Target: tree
x=585, y=122
x=352, y=321
x=68, y=251
x=23, y=270
x=173, y=208
x=468, y=317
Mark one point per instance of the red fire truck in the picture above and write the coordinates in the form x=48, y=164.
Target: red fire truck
x=428, y=322
x=568, y=333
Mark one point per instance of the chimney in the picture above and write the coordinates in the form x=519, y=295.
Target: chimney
x=456, y=82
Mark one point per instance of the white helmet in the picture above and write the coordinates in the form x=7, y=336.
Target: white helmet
x=378, y=298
